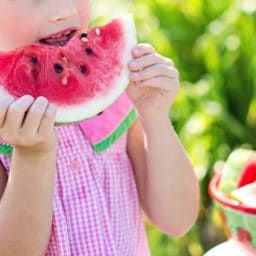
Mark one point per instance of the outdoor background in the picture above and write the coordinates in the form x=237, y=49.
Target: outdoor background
x=213, y=45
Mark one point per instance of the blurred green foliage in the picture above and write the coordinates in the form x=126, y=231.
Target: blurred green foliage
x=213, y=45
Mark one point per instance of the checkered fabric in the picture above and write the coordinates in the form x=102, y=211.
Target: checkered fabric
x=96, y=209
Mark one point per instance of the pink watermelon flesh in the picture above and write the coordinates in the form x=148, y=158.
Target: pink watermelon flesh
x=248, y=173
x=81, y=78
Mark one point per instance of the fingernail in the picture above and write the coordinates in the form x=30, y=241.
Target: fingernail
x=42, y=99
x=29, y=97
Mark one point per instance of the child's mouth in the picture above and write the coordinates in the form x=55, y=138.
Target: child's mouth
x=59, y=39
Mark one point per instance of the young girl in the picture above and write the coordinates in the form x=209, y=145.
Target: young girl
x=71, y=199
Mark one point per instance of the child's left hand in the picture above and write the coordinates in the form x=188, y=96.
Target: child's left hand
x=154, y=82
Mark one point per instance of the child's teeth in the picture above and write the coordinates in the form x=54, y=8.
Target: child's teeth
x=59, y=39
x=60, y=35
x=84, y=39
x=64, y=81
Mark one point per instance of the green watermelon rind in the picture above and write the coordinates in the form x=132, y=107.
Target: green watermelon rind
x=232, y=169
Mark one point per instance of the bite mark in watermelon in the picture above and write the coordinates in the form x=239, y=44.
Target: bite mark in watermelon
x=81, y=78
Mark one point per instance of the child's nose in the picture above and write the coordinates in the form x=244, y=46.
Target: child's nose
x=61, y=14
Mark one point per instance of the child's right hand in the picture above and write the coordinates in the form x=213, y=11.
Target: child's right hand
x=28, y=124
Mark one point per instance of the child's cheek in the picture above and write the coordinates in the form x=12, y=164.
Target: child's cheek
x=17, y=28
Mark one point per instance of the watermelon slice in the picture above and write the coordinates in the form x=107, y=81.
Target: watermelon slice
x=82, y=77
x=233, y=168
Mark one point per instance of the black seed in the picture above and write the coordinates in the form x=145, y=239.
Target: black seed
x=100, y=113
x=83, y=35
x=34, y=60
x=89, y=51
x=58, y=68
x=83, y=69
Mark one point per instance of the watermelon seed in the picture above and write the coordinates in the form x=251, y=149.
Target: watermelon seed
x=89, y=51
x=100, y=113
x=58, y=68
x=83, y=69
x=65, y=59
x=97, y=31
x=64, y=80
x=84, y=37
x=34, y=60
x=85, y=40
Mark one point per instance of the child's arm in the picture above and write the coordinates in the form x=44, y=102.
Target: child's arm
x=26, y=205
x=167, y=185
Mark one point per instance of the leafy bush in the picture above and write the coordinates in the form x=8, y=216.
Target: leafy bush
x=213, y=45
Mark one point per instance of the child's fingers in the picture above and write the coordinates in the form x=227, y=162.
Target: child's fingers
x=148, y=60
x=153, y=71
x=161, y=82
x=48, y=120
x=34, y=116
x=16, y=112
x=4, y=105
x=142, y=49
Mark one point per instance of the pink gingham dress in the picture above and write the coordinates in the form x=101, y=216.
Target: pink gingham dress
x=96, y=210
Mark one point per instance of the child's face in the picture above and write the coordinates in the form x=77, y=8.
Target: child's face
x=27, y=21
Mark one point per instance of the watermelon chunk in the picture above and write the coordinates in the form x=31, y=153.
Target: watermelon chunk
x=246, y=195
x=248, y=173
x=81, y=78
x=232, y=169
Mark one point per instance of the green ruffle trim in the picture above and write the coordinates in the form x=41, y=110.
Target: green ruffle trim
x=5, y=149
x=123, y=126
x=102, y=145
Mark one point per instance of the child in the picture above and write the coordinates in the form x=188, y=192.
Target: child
x=70, y=199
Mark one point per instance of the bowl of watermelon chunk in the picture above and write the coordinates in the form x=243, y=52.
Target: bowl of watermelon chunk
x=234, y=193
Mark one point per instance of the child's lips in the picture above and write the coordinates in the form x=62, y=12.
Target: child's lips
x=59, y=38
